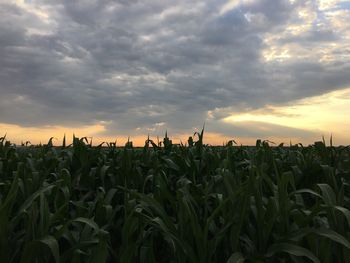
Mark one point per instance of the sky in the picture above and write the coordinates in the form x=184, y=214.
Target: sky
x=109, y=69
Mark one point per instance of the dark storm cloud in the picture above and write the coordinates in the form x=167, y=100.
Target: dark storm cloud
x=133, y=64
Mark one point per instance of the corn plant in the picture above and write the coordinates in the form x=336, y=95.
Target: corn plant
x=174, y=203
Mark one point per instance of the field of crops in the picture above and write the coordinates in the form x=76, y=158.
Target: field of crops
x=174, y=203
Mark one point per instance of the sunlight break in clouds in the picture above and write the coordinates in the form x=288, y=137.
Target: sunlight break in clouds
x=232, y=4
x=324, y=114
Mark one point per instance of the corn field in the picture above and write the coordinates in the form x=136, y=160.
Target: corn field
x=174, y=203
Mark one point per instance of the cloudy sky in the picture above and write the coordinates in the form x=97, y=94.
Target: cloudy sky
x=270, y=69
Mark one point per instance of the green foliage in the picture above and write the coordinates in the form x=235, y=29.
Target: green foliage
x=174, y=203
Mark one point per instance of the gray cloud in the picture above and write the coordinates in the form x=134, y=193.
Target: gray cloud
x=133, y=64
x=262, y=130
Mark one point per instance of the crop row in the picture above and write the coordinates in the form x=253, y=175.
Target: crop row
x=174, y=203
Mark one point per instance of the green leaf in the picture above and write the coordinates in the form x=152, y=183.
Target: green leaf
x=328, y=233
x=292, y=250
x=171, y=164
x=236, y=258
x=305, y=191
x=100, y=252
x=88, y=222
x=52, y=244
x=333, y=236
x=31, y=199
x=345, y=212
x=328, y=194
